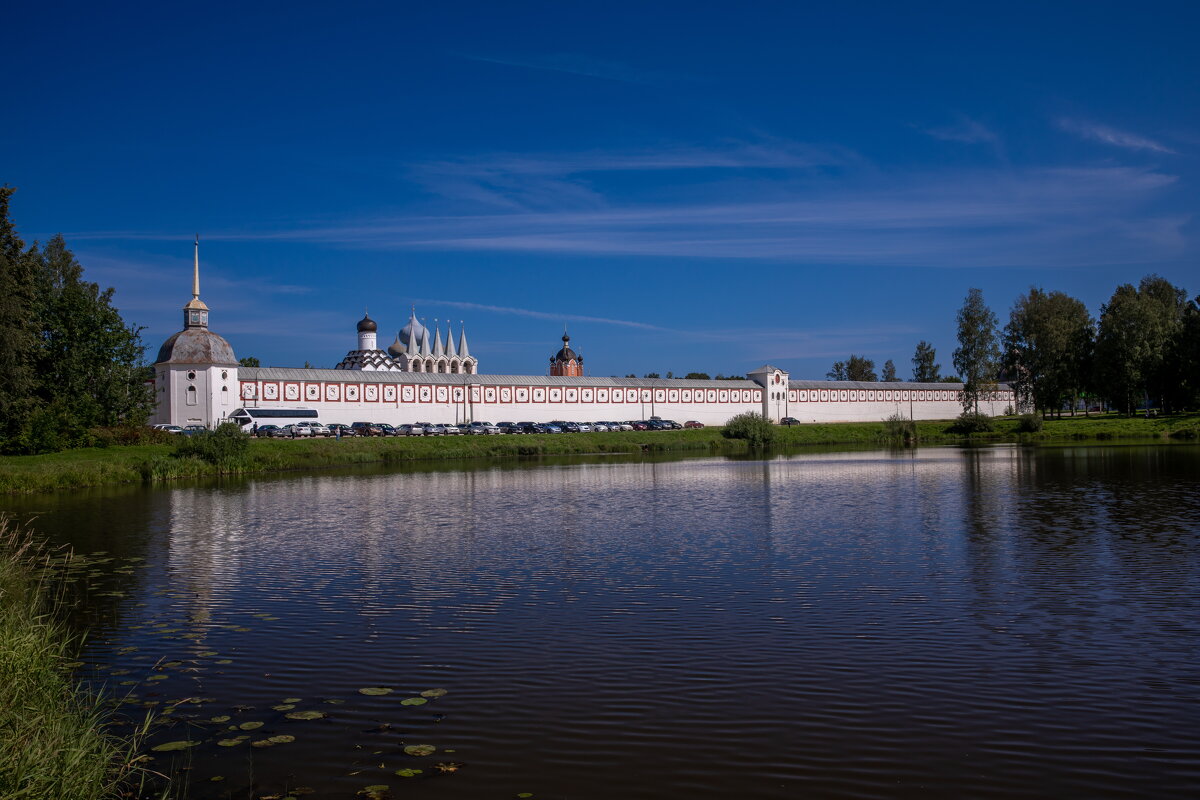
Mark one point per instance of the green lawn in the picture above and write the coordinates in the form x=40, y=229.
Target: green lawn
x=153, y=463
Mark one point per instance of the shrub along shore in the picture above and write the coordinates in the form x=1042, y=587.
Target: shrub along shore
x=154, y=463
x=53, y=741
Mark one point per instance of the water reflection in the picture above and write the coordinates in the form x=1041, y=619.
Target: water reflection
x=982, y=622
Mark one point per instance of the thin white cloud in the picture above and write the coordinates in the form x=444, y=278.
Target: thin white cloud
x=966, y=130
x=558, y=316
x=1111, y=136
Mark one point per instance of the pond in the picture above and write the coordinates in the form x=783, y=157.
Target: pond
x=993, y=622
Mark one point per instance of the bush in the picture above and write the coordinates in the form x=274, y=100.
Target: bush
x=125, y=435
x=972, y=422
x=225, y=447
x=899, y=428
x=754, y=428
x=1030, y=423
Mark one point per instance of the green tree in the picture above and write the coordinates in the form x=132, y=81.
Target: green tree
x=925, y=366
x=977, y=357
x=651, y=375
x=838, y=373
x=1048, y=346
x=697, y=376
x=1139, y=330
x=249, y=361
x=89, y=365
x=860, y=368
x=1186, y=354
x=889, y=372
x=18, y=334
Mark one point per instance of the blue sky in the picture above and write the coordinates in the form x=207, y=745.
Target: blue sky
x=687, y=186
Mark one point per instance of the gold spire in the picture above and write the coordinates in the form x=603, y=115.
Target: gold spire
x=196, y=302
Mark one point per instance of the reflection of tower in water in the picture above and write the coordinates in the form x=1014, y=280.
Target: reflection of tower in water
x=206, y=531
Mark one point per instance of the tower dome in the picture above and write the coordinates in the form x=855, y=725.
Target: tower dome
x=566, y=362
x=367, y=324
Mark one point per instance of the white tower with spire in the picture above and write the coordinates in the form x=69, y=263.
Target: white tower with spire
x=195, y=373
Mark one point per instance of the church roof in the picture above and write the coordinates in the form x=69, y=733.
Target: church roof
x=196, y=346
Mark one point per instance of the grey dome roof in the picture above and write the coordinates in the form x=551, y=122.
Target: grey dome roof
x=367, y=324
x=413, y=328
x=396, y=348
x=196, y=346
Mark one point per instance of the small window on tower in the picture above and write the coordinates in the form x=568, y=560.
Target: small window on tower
x=191, y=395
x=191, y=376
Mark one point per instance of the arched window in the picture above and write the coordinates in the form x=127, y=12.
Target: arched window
x=191, y=396
x=453, y=367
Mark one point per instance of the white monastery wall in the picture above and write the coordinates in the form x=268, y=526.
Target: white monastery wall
x=347, y=396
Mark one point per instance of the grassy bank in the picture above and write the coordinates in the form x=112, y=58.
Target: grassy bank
x=154, y=463
x=52, y=738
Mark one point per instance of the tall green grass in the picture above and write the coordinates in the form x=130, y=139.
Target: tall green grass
x=53, y=742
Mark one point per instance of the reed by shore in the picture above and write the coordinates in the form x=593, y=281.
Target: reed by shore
x=53, y=737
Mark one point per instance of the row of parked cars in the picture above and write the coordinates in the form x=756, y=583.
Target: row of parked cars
x=488, y=429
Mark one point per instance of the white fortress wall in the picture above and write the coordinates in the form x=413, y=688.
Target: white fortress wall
x=347, y=396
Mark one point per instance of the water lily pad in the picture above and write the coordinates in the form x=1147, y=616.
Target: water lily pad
x=250, y=726
x=408, y=773
x=284, y=707
x=158, y=677
x=433, y=693
x=375, y=787
x=334, y=701
x=375, y=691
x=292, y=699
x=306, y=715
x=420, y=749
x=231, y=742
x=206, y=653
x=224, y=661
x=413, y=701
x=166, y=747
x=242, y=630
x=217, y=778
x=222, y=718
x=282, y=738
x=524, y=794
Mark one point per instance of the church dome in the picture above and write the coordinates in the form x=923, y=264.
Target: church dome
x=366, y=324
x=196, y=346
x=566, y=354
x=413, y=328
x=396, y=348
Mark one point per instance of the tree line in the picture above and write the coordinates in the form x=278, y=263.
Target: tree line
x=1144, y=351
x=69, y=362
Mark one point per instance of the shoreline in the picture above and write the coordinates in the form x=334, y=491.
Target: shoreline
x=155, y=464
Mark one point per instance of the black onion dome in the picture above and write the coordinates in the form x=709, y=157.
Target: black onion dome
x=196, y=346
x=367, y=324
x=566, y=354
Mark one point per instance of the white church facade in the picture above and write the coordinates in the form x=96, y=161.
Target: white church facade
x=198, y=381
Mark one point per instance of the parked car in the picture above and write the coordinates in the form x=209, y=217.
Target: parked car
x=550, y=427
x=638, y=425
x=656, y=425
x=789, y=421
x=192, y=430
x=567, y=427
x=691, y=423
x=338, y=429
x=267, y=431
x=454, y=430
x=295, y=431
x=365, y=429
x=482, y=429
x=600, y=427
x=584, y=427
x=509, y=427
x=410, y=430
x=620, y=426
x=168, y=428
x=388, y=430
x=531, y=427
x=316, y=428
x=434, y=430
